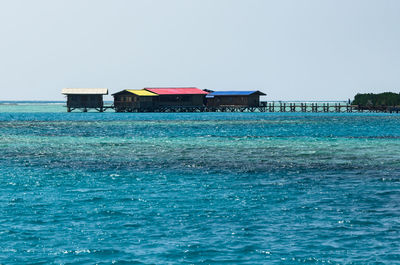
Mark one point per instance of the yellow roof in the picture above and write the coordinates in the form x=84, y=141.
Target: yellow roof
x=141, y=92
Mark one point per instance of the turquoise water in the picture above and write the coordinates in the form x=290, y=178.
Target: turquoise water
x=198, y=188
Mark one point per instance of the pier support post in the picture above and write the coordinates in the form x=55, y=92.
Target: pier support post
x=272, y=107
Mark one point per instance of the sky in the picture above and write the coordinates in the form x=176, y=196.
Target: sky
x=289, y=49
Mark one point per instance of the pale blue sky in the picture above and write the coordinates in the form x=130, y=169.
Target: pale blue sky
x=290, y=49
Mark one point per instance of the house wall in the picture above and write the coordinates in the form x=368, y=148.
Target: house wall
x=181, y=100
x=254, y=100
x=84, y=101
x=245, y=101
x=123, y=101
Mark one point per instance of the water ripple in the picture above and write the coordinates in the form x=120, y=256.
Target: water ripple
x=245, y=188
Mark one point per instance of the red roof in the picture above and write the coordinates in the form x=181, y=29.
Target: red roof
x=177, y=91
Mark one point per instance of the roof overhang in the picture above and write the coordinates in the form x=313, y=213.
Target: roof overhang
x=85, y=91
x=234, y=93
x=137, y=92
x=176, y=91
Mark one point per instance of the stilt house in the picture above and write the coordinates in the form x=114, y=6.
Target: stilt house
x=85, y=98
x=234, y=98
x=135, y=100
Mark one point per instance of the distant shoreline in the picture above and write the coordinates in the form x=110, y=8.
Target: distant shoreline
x=29, y=101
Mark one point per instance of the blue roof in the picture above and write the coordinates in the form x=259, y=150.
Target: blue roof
x=233, y=93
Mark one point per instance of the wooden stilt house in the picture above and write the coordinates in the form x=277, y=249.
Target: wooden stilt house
x=130, y=100
x=85, y=98
x=234, y=98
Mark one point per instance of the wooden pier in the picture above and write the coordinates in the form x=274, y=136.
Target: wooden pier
x=271, y=106
x=263, y=107
x=278, y=106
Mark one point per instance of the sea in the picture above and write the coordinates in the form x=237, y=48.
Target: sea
x=197, y=188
